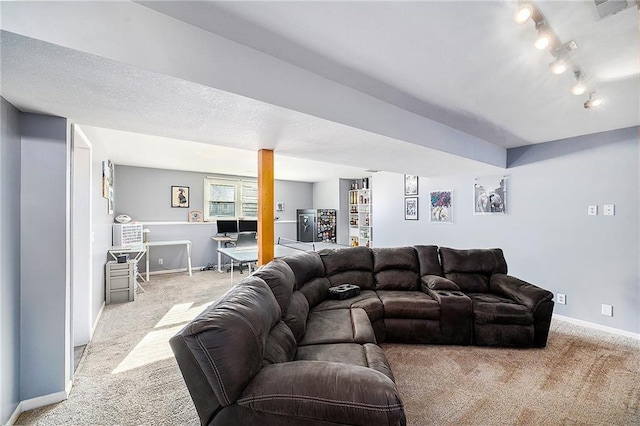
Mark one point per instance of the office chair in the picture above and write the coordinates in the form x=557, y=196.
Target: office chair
x=246, y=240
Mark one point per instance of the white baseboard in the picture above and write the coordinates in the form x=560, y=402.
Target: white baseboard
x=597, y=326
x=167, y=271
x=15, y=415
x=95, y=323
x=173, y=271
x=43, y=400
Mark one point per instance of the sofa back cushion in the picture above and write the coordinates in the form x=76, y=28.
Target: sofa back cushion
x=349, y=265
x=429, y=260
x=471, y=269
x=228, y=339
x=310, y=278
x=279, y=277
x=296, y=318
x=396, y=268
x=280, y=346
x=305, y=266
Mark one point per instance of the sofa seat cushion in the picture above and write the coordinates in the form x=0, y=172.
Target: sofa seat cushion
x=338, y=326
x=408, y=304
x=367, y=355
x=493, y=309
x=367, y=300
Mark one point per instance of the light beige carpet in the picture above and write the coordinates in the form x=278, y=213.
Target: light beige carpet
x=129, y=377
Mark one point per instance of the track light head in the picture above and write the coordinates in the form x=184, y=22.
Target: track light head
x=544, y=35
x=558, y=66
x=593, y=102
x=578, y=89
x=523, y=13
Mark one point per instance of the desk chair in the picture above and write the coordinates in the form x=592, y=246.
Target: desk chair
x=246, y=239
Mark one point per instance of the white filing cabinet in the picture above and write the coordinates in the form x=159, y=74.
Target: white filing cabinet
x=121, y=281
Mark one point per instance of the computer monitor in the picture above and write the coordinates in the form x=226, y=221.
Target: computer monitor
x=227, y=226
x=248, y=225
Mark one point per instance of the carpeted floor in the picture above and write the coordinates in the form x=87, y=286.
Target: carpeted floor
x=128, y=376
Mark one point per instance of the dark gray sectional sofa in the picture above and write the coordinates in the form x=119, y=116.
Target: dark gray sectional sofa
x=275, y=350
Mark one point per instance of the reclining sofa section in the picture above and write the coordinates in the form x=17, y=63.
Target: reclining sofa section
x=274, y=350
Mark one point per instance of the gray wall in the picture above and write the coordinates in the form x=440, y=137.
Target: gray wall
x=144, y=194
x=9, y=260
x=547, y=237
x=44, y=264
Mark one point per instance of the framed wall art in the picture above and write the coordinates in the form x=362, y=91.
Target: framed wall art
x=180, y=196
x=490, y=195
x=441, y=206
x=410, y=185
x=107, y=177
x=195, y=216
x=411, y=208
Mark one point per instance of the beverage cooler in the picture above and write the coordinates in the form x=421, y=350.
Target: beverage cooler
x=316, y=225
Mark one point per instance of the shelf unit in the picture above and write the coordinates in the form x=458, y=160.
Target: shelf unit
x=360, y=217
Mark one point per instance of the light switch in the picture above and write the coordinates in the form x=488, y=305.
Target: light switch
x=592, y=211
x=609, y=209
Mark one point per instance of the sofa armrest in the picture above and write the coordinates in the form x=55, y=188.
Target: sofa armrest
x=436, y=282
x=333, y=392
x=520, y=291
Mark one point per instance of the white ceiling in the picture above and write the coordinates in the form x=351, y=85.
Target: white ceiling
x=464, y=64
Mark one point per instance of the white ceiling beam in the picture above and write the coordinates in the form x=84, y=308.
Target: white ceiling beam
x=133, y=34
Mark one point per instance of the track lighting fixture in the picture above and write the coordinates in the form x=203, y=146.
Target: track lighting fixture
x=579, y=88
x=523, y=13
x=544, y=36
x=558, y=66
x=593, y=101
x=561, y=52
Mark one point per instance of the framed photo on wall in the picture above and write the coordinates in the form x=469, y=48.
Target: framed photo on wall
x=411, y=208
x=107, y=177
x=410, y=185
x=180, y=196
x=441, y=208
x=195, y=216
x=490, y=195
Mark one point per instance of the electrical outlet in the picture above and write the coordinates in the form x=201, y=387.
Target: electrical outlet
x=561, y=298
x=160, y=262
x=607, y=310
x=592, y=210
x=609, y=209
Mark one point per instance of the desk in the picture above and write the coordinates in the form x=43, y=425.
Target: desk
x=150, y=244
x=250, y=254
x=136, y=254
x=221, y=239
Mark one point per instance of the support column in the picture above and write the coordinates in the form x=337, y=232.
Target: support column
x=266, y=235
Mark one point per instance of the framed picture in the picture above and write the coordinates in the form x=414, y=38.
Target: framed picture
x=410, y=185
x=411, y=208
x=180, y=196
x=441, y=206
x=280, y=206
x=490, y=195
x=195, y=216
x=107, y=177
x=110, y=201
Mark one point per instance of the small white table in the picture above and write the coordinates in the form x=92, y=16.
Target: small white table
x=221, y=239
x=150, y=244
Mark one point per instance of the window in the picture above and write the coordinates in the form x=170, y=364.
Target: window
x=230, y=198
